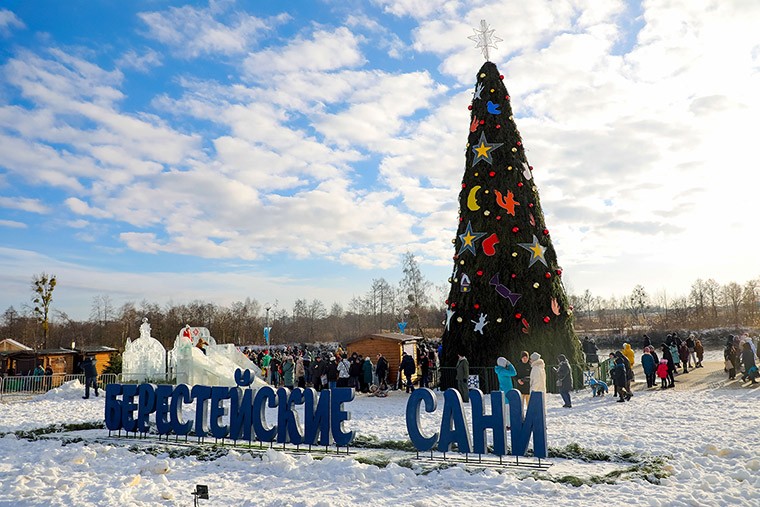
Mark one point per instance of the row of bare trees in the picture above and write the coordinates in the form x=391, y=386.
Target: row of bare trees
x=414, y=299
x=708, y=305
x=381, y=308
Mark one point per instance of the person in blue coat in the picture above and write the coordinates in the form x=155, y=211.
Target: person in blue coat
x=649, y=364
x=504, y=372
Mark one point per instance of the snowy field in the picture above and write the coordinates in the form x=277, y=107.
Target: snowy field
x=705, y=441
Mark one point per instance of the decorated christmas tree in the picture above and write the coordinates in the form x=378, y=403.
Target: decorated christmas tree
x=506, y=286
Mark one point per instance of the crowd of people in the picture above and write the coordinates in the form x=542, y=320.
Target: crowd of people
x=676, y=357
x=328, y=367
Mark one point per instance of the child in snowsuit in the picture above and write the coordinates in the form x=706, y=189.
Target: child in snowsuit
x=662, y=372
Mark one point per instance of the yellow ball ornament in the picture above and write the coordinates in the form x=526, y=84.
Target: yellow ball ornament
x=536, y=285
x=459, y=319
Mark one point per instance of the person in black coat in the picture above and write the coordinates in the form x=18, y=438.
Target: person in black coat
x=671, y=365
x=381, y=370
x=90, y=376
x=332, y=373
x=424, y=370
x=619, y=378
x=628, y=373
x=522, y=379
x=408, y=368
x=731, y=355
x=748, y=360
x=317, y=368
x=355, y=371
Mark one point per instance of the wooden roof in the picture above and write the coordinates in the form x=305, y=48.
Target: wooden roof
x=397, y=337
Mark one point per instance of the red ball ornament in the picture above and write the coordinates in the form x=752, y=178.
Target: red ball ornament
x=518, y=316
x=447, y=302
x=515, y=229
x=461, y=219
x=519, y=184
x=464, y=185
x=498, y=126
x=498, y=217
x=530, y=167
x=492, y=174
x=546, y=231
x=482, y=122
x=501, y=77
x=506, y=97
x=547, y=275
x=453, y=305
x=519, y=143
x=469, y=107
x=547, y=319
x=476, y=306
x=559, y=272
x=513, y=275
x=530, y=204
x=479, y=273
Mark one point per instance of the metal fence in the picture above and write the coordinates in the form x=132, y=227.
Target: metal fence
x=31, y=385
x=488, y=381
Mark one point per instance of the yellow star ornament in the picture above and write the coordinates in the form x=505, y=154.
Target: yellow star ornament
x=483, y=150
x=536, y=251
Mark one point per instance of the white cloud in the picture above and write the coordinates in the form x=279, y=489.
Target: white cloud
x=191, y=32
x=419, y=9
x=12, y=224
x=141, y=62
x=9, y=22
x=324, y=51
x=24, y=204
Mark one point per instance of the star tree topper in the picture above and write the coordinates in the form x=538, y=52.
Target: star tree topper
x=484, y=38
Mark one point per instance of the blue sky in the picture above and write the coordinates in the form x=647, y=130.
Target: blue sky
x=221, y=150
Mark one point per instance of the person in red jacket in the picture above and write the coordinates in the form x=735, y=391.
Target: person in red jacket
x=662, y=372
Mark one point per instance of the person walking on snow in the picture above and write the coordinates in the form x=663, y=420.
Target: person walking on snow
x=90, y=376
x=564, y=380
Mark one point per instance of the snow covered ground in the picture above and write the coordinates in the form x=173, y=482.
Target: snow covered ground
x=708, y=438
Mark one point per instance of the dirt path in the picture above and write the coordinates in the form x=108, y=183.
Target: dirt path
x=710, y=376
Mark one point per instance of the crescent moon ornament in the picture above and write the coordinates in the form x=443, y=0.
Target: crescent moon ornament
x=472, y=198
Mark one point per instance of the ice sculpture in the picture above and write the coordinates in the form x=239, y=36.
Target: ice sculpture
x=144, y=358
x=197, y=359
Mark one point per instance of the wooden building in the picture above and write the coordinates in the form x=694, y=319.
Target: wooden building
x=101, y=353
x=22, y=360
x=390, y=345
x=60, y=360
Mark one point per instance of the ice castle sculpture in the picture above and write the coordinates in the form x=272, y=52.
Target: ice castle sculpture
x=144, y=358
x=197, y=359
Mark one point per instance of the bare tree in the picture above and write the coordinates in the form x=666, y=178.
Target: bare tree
x=750, y=294
x=43, y=286
x=414, y=283
x=712, y=293
x=731, y=296
x=637, y=303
